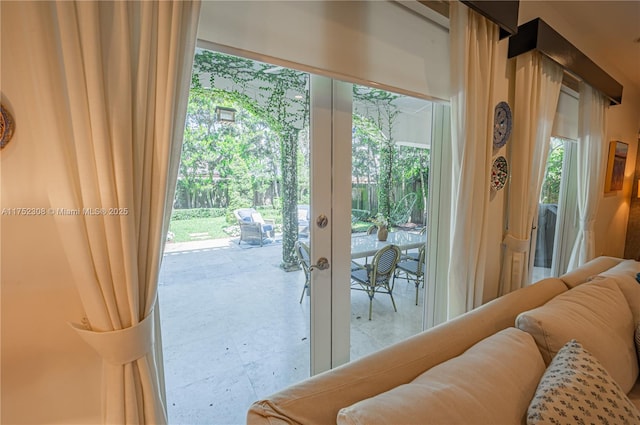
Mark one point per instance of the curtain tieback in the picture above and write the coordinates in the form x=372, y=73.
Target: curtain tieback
x=515, y=244
x=587, y=224
x=121, y=346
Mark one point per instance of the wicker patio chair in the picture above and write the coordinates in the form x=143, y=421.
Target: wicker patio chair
x=413, y=255
x=412, y=270
x=253, y=227
x=304, y=258
x=377, y=277
x=355, y=265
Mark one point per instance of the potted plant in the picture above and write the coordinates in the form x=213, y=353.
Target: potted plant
x=382, y=223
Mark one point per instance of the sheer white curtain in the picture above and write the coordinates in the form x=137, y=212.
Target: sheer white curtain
x=538, y=82
x=125, y=69
x=592, y=117
x=474, y=41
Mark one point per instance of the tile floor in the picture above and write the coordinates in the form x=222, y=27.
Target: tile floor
x=233, y=330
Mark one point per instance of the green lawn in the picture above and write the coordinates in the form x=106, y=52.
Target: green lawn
x=202, y=228
x=196, y=229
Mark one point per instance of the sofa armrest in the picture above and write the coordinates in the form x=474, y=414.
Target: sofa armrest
x=588, y=270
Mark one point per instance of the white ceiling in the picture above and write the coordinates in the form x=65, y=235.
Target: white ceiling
x=605, y=31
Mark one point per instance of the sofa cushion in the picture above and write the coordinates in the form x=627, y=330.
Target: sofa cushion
x=592, y=268
x=491, y=382
x=596, y=314
x=318, y=399
x=625, y=274
x=576, y=388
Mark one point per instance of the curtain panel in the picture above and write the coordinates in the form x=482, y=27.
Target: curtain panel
x=474, y=41
x=537, y=89
x=124, y=69
x=592, y=123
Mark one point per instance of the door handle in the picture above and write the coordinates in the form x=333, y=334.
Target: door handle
x=323, y=264
x=322, y=221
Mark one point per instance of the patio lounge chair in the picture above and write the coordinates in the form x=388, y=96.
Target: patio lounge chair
x=253, y=227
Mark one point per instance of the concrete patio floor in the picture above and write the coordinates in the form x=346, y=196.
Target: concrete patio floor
x=233, y=330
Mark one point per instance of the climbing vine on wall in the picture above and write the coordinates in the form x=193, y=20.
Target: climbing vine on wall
x=379, y=105
x=280, y=97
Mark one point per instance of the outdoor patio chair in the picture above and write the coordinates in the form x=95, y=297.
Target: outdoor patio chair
x=253, y=227
x=377, y=277
x=355, y=265
x=401, y=212
x=412, y=270
x=304, y=258
x=413, y=255
x=303, y=220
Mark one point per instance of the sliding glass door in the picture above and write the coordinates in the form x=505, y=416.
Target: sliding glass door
x=277, y=161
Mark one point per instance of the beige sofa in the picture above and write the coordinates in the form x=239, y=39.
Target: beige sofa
x=485, y=366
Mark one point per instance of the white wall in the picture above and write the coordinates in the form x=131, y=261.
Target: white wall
x=48, y=374
x=623, y=124
x=613, y=213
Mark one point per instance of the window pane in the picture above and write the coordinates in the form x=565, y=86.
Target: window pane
x=548, y=210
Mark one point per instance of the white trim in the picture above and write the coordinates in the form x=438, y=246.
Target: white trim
x=350, y=41
x=320, y=239
x=341, y=208
x=438, y=219
x=203, y=44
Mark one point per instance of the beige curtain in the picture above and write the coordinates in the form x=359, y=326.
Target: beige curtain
x=124, y=70
x=592, y=149
x=474, y=41
x=538, y=82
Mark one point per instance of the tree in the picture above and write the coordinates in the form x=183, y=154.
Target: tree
x=279, y=97
x=210, y=147
x=550, y=191
x=378, y=106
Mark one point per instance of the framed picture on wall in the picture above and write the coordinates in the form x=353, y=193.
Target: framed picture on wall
x=616, y=162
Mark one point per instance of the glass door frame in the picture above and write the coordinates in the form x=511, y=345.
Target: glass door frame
x=330, y=186
x=330, y=146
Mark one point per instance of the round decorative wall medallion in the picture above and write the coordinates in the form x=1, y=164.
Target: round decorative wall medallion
x=6, y=127
x=499, y=173
x=501, y=124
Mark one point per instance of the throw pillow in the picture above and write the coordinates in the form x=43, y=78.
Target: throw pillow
x=490, y=383
x=625, y=275
x=598, y=315
x=256, y=217
x=577, y=389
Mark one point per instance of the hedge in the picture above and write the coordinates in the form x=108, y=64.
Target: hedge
x=188, y=214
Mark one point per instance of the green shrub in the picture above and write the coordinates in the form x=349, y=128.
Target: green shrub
x=188, y=214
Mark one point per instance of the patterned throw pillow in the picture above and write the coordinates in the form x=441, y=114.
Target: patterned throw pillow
x=576, y=389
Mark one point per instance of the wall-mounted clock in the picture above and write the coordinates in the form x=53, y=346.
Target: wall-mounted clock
x=501, y=124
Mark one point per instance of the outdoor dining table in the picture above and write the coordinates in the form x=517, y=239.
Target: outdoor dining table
x=368, y=245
